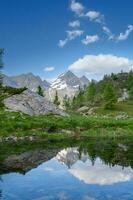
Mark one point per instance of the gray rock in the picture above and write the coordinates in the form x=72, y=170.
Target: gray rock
x=91, y=111
x=124, y=96
x=83, y=109
x=122, y=116
x=31, y=103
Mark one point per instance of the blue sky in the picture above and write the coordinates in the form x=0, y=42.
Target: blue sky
x=47, y=37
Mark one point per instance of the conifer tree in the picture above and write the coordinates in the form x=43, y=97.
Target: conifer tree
x=56, y=99
x=1, y=64
x=66, y=102
x=40, y=91
x=91, y=91
x=1, y=54
x=109, y=96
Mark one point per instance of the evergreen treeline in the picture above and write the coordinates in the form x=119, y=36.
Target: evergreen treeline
x=1, y=63
x=105, y=92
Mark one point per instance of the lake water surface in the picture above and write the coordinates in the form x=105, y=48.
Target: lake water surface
x=92, y=170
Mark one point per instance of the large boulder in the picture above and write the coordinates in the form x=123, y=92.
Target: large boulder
x=31, y=103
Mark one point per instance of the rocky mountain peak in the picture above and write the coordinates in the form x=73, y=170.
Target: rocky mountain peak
x=84, y=80
x=66, y=80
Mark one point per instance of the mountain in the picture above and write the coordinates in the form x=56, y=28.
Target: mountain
x=29, y=81
x=7, y=81
x=69, y=79
x=84, y=81
x=66, y=84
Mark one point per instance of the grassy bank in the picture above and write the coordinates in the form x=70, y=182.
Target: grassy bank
x=50, y=126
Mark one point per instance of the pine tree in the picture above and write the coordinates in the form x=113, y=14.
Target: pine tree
x=1, y=63
x=1, y=54
x=66, y=102
x=91, y=91
x=40, y=91
x=56, y=99
x=109, y=96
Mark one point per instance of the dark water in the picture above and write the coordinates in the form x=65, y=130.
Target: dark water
x=91, y=170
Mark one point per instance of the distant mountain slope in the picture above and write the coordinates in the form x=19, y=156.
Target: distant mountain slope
x=29, y=81
x=7, y=81
x=84, y=81
x=66, y=84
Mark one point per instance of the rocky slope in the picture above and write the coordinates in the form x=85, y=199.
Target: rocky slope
x=31, y=103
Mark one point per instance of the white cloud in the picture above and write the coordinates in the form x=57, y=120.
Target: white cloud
x=79, y=10
x=74, y=24
x=90, y=39
x=62, y=196
x=99, y=65
x=48, y=169
x=95, y=16
x=124, y=36
x=108, y=32
x=86, y=197
x=74, y=33
x=49, y=69
x=62, y=43
x=71, y=35
x=77, y=7
x=101, y=174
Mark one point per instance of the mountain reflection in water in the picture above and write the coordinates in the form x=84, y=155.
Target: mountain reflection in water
x=92, y=170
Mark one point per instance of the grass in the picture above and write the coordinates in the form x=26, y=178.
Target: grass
x=18, y=124
x=52, y=126
x=121, y=107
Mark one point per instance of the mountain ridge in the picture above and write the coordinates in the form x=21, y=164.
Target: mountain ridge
x=66, y=83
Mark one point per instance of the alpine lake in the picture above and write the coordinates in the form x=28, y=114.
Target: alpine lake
x=94, y=169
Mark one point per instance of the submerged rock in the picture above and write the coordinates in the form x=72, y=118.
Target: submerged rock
x=31, y=103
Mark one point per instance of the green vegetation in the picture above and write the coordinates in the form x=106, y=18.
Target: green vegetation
x=91, y=91
x=1, y=55
x=66, y=102
x=1, y=63
x=109, y=96
x=56, y=99
x=40, y=91
x=14, y=123
x=101, y=95
x=106, y=92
